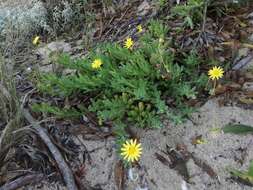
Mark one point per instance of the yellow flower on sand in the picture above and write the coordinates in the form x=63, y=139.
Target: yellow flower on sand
x=139, y=28
x=36, y=40
x=215, y=73
x=128, y=43
x=131, y=150
x=96, y=64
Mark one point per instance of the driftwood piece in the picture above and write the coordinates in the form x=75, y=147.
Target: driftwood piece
x=64, y=168
x=22, y=181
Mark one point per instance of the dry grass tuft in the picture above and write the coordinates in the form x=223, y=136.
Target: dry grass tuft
x=9, y=109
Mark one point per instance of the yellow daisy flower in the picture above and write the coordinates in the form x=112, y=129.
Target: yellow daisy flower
x=131, y=150
x=139, y=28
x=96, y=64
x=36, y=40
x=215, y=73
x=128, y=43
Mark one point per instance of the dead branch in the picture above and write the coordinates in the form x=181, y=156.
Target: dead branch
x=65, y=170
x=22, y=181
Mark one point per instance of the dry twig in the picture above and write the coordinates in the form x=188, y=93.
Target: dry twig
x=65, y=170
x=22, y=181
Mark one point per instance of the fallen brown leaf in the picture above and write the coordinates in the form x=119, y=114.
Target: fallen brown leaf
x=162, y=159
x=246, y=100
x=205, y=167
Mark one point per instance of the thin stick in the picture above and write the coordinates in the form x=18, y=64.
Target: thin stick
x=64, y=168
x=204, y=15
x=203, y=23
x=22, y=181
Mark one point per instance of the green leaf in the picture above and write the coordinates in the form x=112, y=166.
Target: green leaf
x=189, y=22
x=140, y=92
x=243, y=176
x=119, y=130
x=155, y=122
x=157, y=29
x=158, y=102
x=58, y=112
x=250, y=172
x=109, y=109
x=239, y=129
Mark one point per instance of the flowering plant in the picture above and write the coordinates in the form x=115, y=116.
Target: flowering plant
x=127, y=85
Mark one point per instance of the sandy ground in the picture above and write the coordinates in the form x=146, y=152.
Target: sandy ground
x=219, y=151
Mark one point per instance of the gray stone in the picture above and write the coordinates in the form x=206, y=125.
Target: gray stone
x=248, y=86
x=243, y=52
x=244, y=60
x=144, y=8
x=251, y=38
x=250, y=15
x=48, y=55
x=53, y=47
x=251, y=22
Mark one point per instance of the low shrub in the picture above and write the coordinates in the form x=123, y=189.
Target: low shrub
x=133, y=84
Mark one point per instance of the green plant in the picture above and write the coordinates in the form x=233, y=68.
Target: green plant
x=244, y=176
x=240, y=129
x=161, y=3
x=191, y=12
x=129, y=86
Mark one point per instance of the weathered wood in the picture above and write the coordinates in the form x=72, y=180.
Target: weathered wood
x=22, y=181
x=64, y=168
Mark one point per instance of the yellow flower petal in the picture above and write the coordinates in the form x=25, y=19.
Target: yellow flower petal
x=139, y=28
x=131, y=150
x=128, y=43
x=123, y=153
x=96, y=64
x=215, y=73
x=123, y=149
x=36, y=40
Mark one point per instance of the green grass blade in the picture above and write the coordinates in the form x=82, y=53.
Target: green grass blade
x=237, y=129
x=250, y=172
x=243, y=176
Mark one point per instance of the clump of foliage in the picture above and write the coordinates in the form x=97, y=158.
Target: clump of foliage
x=194, y=11
x=191, y=12
x=128, y=86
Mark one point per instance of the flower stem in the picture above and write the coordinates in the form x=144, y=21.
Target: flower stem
x=214, y=86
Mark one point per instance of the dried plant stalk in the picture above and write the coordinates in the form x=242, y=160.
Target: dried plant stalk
x=9, y=106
